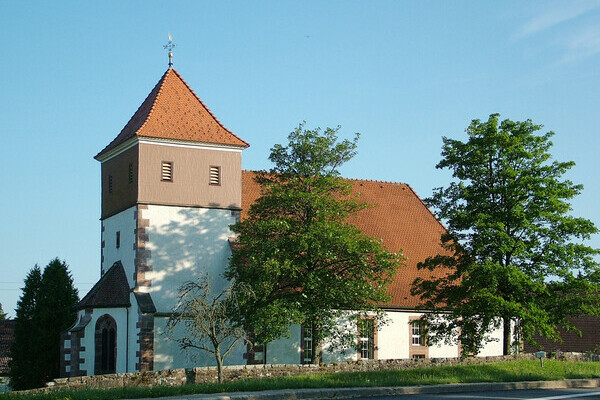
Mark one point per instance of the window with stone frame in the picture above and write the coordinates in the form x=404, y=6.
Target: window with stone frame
x=105, y=345
x=367, y=339
x=417, y=339
x=308, y=350
x=255, y=352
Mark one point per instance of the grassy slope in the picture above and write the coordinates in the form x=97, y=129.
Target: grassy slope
x=497, y=372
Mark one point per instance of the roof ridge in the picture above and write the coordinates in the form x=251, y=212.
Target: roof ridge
x=376, y=181
x=119, y=140
x=428, y=209
x=205, y=106
x=160, y=85
x=348, y=179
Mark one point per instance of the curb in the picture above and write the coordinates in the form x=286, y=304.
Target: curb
x=346, y=393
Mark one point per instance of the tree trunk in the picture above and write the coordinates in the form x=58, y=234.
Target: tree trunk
x=317, y=345
x=507, y=337
x=219, y=363
x=219, y=370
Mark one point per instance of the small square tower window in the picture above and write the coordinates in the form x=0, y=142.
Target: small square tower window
x=214, y=177
x=110, y=184
x=167, y=171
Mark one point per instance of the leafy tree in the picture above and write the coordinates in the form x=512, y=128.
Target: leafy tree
x=2, y=313
x=46, y=308
x=208, y=320
x=517, y=254
x=23, y=371
x=306, y=264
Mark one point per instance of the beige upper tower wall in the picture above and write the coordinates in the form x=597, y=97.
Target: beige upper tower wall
x=124, y=190
x=190, y=185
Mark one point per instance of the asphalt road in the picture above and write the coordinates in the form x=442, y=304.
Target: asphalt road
x=540, y=394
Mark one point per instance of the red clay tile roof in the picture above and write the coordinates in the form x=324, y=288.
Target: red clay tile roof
x=589, y=341
x=398, y=217
x=7, y=336
x=112, y=290
x=173, y=111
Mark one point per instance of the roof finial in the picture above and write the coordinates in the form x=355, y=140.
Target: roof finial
x=170, y=46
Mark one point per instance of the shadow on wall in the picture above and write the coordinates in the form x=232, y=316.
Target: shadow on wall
x=184, y=243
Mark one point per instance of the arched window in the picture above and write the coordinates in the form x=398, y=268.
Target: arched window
x=106, y=345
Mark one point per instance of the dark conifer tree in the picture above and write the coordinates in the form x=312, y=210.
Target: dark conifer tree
x=56, y=313
x=46, y=308
x=22, y=371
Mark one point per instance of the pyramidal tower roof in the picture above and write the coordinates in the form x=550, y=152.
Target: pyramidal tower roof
x=172, y=111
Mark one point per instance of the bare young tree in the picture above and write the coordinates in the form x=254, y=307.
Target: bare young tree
x=208, y=320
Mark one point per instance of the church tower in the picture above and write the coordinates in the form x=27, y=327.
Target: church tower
x=171, y=187
x=173, y=155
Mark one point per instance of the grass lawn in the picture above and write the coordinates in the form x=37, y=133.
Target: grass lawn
x=523, y=370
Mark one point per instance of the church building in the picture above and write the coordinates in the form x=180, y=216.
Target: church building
x=172, y=184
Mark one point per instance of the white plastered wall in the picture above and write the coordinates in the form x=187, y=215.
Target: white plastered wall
x=168, y=355
x=285, y=350
x=125, y=223
x=184, y=243
x=494, y=347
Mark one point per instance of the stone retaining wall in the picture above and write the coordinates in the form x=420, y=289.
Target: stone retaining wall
x=176, y=377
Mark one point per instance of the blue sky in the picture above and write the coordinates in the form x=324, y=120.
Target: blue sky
x=401, y=73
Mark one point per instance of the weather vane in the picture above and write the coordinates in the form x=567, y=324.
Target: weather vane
x=170, y=46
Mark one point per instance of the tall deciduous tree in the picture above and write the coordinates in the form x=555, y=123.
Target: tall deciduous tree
x=518, y=255
x=2, y=313
x=208, y=320
x=304, y=262
x=45, y=309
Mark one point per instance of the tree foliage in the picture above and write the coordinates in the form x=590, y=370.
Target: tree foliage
x=2, y=313
x=304, y=262
x=517, y=253
x=208, y=320
x=23, y=371
x=46, y=308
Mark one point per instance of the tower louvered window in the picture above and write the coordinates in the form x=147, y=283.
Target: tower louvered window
x=110, y=183
x=167, y=171
x=214, y=175
x=130, y=173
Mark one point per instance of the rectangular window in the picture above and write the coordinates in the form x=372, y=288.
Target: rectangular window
x=307, y=345
x=366, y=339
x=417, y=334
x=118, y=239
x=130, y=173
x=214, y=177
x=258, y=354
x=110, y=184
x=167, y=171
